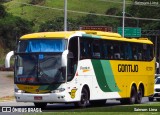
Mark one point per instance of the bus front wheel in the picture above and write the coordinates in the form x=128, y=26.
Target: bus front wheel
x=84, y=98
x=40, y=105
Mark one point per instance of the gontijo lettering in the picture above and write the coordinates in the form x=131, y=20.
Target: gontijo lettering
x=127, y=68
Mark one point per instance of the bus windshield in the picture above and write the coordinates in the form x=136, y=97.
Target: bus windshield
x=39, y=69
x=41, y=45
x=38, y=61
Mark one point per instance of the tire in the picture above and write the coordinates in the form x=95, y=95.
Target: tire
x=40, y=105
x=139, y=96
x=132, y=98
x=84, y=98
x=150, y=99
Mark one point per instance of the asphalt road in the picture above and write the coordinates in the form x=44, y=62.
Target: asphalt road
x=6, y=84
x=13, y=103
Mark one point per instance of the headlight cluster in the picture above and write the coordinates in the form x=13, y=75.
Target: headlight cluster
x=19, y=91
x=58, y=90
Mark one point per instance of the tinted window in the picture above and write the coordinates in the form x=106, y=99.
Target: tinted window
x=115, y=50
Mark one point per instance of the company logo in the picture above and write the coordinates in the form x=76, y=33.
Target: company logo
x=73, y=93
x=127, y=68
x=85, y=69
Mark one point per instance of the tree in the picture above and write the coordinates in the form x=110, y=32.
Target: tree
x=145, y=11
x=12, y=28
x=2, y=11
x=58, y=25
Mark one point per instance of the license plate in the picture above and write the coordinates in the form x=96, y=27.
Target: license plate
x=37, y=97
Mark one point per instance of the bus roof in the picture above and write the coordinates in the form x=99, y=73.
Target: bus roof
x=85, y=33
x=51, y=35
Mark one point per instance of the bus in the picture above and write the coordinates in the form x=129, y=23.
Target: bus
x=82, y=67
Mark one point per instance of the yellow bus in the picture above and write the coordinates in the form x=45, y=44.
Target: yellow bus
x=82, y=67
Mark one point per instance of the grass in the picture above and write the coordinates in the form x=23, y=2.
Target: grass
x=95, y=113
x=108, y=110
x=39, y=15
x=55, y=8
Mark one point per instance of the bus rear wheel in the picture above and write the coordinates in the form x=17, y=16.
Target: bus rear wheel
x=40, y=105
x=139, y=95
x=132, y=98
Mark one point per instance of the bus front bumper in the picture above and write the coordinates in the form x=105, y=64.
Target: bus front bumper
x=49, y=97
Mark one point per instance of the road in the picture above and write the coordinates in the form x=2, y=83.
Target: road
x=6, y=84
x=49, y=106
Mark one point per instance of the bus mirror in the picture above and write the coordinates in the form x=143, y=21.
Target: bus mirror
x=64, y=58
x=8, y=58
x=70, y=55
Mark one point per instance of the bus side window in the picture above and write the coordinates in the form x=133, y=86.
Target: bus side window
x=110, y=51
x=135, y=51
x=85, y=48
x=139, y=51
x=117, y=51
x=148, y=53
x=150, y=50
x=95, y=47
x=128, y=51
x=82, y=50
x=104, y=50
x=121, y=48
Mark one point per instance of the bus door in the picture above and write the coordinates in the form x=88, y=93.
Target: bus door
x=72, y=58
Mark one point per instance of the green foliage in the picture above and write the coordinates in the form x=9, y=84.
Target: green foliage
x=143, y=11
x=112, y=11
x=37, y=2
x=74, y=24
x=41, y=15
x=2, y=11
x=12, y=28
x=54, y=25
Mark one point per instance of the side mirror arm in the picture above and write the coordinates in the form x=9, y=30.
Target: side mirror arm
x=8, y=58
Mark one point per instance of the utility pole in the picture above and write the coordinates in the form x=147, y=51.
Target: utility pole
x=123, y=23
x=65, y=15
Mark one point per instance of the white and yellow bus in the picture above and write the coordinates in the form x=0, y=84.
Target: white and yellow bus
x=82, y=67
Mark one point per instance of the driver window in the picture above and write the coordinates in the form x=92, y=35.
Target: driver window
x=72, y=61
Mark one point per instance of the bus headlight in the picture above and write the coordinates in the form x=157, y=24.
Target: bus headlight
x=58, y=90
x=19, y=91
